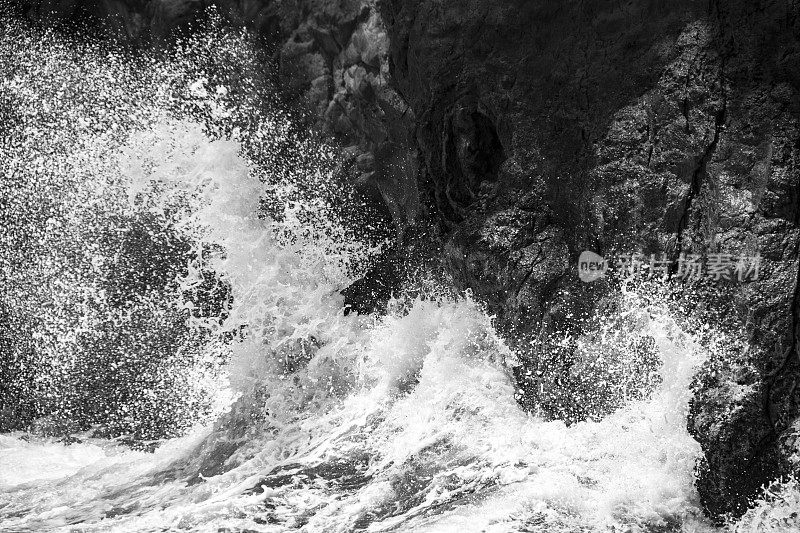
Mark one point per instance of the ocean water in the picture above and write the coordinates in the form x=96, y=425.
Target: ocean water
x=287, y=413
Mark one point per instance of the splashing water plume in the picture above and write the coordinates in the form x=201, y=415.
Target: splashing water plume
x=176, y=313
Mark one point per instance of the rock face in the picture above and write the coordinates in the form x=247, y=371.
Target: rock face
x=528, y=131
x=546, y=128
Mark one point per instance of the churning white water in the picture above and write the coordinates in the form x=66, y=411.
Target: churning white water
x=305, y=418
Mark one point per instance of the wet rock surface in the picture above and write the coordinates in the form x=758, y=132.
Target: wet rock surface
x=526, y=132
x=548, y=128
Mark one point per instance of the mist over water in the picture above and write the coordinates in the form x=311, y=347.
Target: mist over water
x=173, y=253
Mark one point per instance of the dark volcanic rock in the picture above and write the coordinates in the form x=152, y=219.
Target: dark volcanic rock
x=546, y=128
